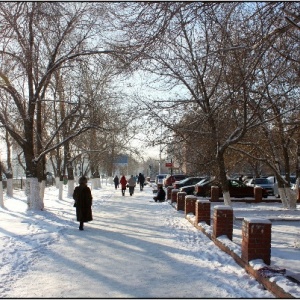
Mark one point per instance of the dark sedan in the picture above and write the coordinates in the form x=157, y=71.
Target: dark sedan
x=189, y=189
x=186, y=181
x=237, y=189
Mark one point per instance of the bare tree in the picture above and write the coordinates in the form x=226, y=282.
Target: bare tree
x=210, y=54
x=38, y=39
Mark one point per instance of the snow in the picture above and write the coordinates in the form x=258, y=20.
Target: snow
x=258, y=221
x=223, y=207
x=134, y=248
x=203, y=201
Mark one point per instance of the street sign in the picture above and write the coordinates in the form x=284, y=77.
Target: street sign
x=169, y=165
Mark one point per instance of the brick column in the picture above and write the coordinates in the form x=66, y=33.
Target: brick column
x=181, y=200
x=202, y=211
x=258, y=194
x=190, y=204
x=174, y=193
x=223, y=221
x=214, y=194
x=169, y=190
x=256, y=240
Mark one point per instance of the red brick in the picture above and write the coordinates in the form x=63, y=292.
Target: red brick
x=223, y=221
x=257, y=194
x=190, y=204
x=181, y=200
x=214, y=194
x=202, y=211
x=256, y=240
x=169, y=190
x=174, y=193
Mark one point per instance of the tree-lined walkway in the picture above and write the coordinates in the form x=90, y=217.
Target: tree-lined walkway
x=134, y=248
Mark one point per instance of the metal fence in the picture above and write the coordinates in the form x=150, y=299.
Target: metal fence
x=19, y=183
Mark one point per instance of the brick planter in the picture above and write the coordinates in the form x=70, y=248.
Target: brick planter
x=202, y=211
x=256, y=240
x=174, y=193
x=169, y=190
x=214, y=194
x=190, y=204
x=223, y=221
x=257, y=194
x=181, y=200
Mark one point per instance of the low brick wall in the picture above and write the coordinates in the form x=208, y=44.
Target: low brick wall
x=257, y=194
x=174, y=193
x=214, y=194
x=181, y=200
x=256, y=240
x=223, y=221
x=190, y=204
x=169, y=190
x=202, y=211
x=251, y=226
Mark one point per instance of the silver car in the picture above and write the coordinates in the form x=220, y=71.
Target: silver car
x=262, y=182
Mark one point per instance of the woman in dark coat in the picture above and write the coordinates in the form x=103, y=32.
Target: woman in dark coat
x=83, y=202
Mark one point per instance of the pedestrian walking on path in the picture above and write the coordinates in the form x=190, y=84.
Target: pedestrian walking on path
x=116, y=182
x=83, y=202
x=123, y=183
x=131, y=185
x=141, y=181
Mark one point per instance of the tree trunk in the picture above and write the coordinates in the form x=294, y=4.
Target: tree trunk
x=1, y=195
x=71, y=184
x=9, y=173
x=96, y=180
x=35, y=200
x=282, y=195
x=70, y=171
x=57, y=182
x=223, y=178
x=9, y=187
x=42, y=189
x=60, y=187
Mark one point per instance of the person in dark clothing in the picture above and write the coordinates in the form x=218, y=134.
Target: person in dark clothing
x=83, y=202
x=141, y=181
x=161, y=195
x=116, y=181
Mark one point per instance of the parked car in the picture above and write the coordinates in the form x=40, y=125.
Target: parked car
x=273, y=181
x=237, y=189
x=186, y=181
x=263, y=182
x=159, y=179
x=189, y=189
x=170, y=179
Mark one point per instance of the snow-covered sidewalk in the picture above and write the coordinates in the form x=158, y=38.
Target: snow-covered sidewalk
x=134, y=248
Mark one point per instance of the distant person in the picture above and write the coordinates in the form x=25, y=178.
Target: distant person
x=83, y=202
x=116, y=182
x=141, y=181
x=131, y=184
x=123, y=183
x=161, y=195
